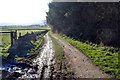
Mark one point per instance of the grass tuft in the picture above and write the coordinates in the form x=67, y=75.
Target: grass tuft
x=59, y=53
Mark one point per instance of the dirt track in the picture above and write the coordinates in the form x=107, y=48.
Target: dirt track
x=82, y=65
x=44, y=60
x=43, y=64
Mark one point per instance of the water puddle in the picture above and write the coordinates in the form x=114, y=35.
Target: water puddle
x=44, y=61
x=40, y=67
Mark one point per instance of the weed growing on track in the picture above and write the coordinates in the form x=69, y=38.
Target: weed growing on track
x=59, y=53
x=62, y=67
x=106, y=59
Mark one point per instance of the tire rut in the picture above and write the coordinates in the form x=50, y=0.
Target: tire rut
x=44, y=60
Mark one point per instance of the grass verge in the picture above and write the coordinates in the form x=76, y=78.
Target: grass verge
x=105, y=59
x=59, y=53
x=37, y=44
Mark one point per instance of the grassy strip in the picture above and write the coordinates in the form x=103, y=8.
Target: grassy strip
x=62, y=68
x=105, y=59
x=24, y=27
x=36, y=44
x=59, y=53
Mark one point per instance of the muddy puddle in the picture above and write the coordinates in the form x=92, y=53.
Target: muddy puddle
x=39, y=67
x=43, y=61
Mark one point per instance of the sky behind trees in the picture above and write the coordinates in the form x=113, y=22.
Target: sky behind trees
x=23, y=12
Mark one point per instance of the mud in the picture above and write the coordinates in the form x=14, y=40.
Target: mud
x=39, y=65
x=43, y=62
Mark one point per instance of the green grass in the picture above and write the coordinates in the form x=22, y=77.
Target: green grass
x=19, y=58
x=4, y=44
x=23, y=32
x=59, y=53
x=37, y=44
x=104, y=58
x=5, y=40
x=26, y=27
x=5, y=37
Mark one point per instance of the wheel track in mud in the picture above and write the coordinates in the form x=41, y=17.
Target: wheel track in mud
x=44, y=60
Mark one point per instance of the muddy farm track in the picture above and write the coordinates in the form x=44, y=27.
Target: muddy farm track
x=44, y=61
x=42, y=66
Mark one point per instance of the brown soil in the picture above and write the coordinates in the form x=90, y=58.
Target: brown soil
x=62, y=70
x=82, y=66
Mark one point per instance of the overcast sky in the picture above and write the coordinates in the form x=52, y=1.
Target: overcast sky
x=22, y=11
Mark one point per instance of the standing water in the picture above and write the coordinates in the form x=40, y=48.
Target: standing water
x=44, y=60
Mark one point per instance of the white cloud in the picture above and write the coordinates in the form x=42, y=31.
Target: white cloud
x=22, y=11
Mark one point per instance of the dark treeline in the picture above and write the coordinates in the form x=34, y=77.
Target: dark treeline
x=94, y=22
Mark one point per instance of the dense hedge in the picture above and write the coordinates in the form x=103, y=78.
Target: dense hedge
x=94, y=22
